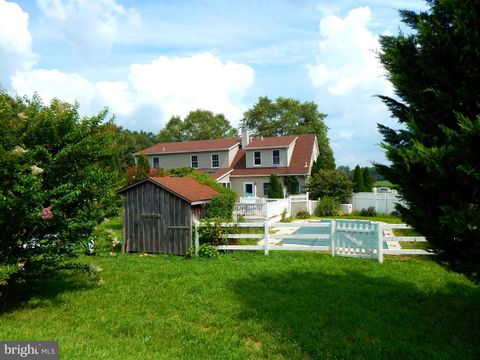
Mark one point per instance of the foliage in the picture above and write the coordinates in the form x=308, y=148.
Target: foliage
x=346, y=170
x=435, y=71
x=198, y=125
x=291, y=183
x=358, y=185
x=367, y=180
x=132, y=142
x=275, y=190
x=58, y=173
x=395, y=213
x=211, y=232
x=302, y=214
x=331, y=183
x=140, y=171
x=328, y=206
x=286, y=116
x=205, y=251
x=370, y=211
x=284, y=218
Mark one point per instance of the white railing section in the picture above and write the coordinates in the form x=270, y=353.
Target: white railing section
x=342, y=240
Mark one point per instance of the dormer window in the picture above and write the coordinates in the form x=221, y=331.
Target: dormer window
x=194, y=161
x=276, y=157
x=257, y=158
x=215, y=161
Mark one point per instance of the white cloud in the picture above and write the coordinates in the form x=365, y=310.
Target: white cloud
x=15, y=41
x=179, y=85
x=91, y=27
x=153, y=92
x=347, y=60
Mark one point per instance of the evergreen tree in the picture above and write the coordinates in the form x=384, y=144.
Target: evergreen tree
x=435, y=157
x=367, y=180
x=358, y=180
x=275, y=190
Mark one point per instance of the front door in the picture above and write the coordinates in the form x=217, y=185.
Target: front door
x=248, y=189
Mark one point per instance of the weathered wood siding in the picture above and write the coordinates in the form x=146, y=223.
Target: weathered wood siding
x=156, y=221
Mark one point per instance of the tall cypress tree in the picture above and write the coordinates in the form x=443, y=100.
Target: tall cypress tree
x=358, y=180
x=367, y=180
x=435, y=157
x=275, y=190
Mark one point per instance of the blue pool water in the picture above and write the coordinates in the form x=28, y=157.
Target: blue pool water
x=349, y=238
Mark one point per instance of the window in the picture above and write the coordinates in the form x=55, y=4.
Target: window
x=156, y=162
x=215, y=161
x=276, y=157
x=257, y=158
x=194, y=161
x=265, y=189
x=226, y=185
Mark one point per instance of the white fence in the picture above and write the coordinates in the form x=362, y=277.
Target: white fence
x=343, y=239
x=253, y=207
x=382, y=202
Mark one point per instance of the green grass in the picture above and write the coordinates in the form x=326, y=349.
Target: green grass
x=385, y=183
x=248, y=306
x=381, y=217
x=114, y=226
x=406, y=232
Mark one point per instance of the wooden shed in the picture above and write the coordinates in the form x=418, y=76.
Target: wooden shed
x=158, y=213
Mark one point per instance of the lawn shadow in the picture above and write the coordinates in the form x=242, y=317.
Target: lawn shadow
x=46, y=291
x=358, y=316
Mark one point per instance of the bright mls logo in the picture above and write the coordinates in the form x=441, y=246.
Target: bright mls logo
x=38, y=350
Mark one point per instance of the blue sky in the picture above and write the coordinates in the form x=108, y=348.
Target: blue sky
x=149, y=60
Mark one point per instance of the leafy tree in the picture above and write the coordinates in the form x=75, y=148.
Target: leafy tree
x=346, y=170
x=330, y=183
x=286, y=116
x=367, y=180
x=275, y=190
x=198, y=125
x=291, y=183
x=435, y=157
x=58, y=173
x=358, y=185
x=132, y=142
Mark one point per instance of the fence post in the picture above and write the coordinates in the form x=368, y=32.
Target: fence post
x=266, y=237
x=380, y=242
x=197, y=238
x=333, y=231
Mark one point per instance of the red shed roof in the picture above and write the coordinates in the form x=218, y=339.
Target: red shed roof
x=187, y=188
x=191, y=146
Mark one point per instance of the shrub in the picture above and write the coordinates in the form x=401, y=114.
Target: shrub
x=275, y=190
x=211, y=232
x=205, y=251
x=368, y=212
x=302, y=214
x=328, y=206
x=395, y=213
x=285, y=218
x=330, y=183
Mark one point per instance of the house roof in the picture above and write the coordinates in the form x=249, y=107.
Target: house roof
x=191, y=146
x=300, y=163
x=271, y=142
x=186, y=188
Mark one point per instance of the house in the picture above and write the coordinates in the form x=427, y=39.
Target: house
x=158, y=213
x=243, y=164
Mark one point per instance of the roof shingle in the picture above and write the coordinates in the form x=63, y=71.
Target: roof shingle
x=191, y=146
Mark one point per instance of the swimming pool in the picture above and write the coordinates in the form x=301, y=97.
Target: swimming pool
x=346, y=235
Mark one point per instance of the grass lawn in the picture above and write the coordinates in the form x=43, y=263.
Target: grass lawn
x=385, y=183
x=248, y=306
x=381, y=217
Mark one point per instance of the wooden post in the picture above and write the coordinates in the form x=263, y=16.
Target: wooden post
x=380, y=243
x=333, y=230
x=266, y=238
x=197, y=237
